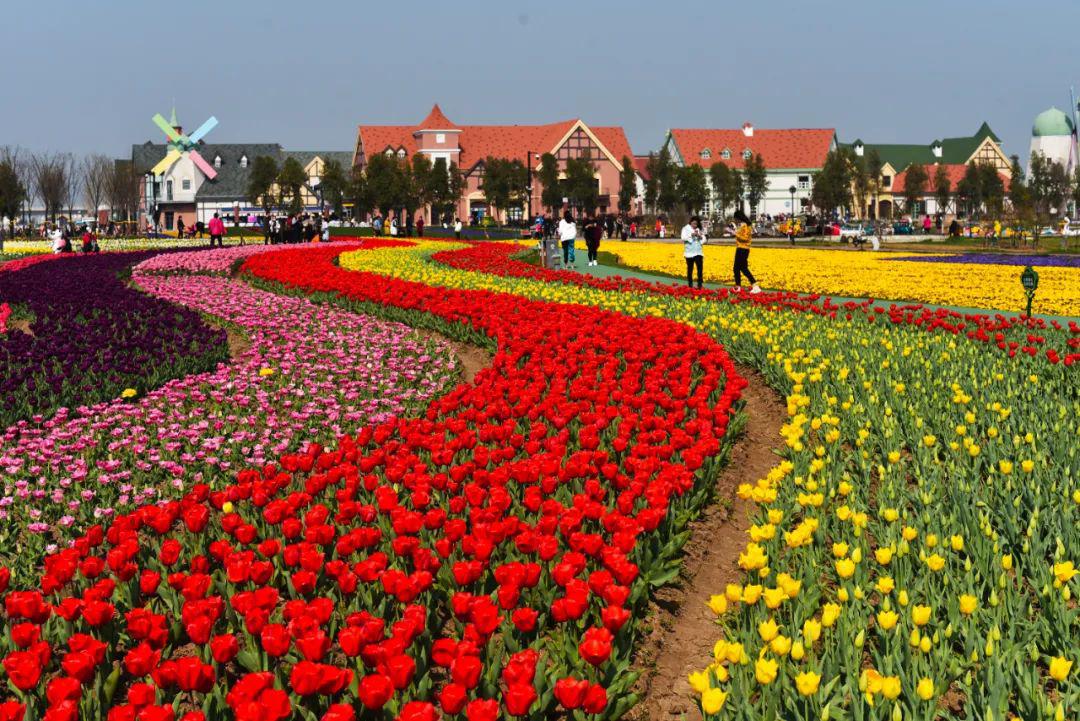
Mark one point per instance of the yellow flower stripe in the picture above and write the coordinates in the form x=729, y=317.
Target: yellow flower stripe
x=925, y=514
x=871, y=275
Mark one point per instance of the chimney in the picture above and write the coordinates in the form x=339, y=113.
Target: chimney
x=936, y=149
x=748, y=130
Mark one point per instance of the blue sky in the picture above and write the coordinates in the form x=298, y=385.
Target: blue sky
x=86, y=76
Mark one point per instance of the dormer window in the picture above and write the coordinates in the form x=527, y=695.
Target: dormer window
x=217, y=161
x=401, y=153
x=389, y=152
x=440, y=138
x=243, y=161
x=746, y=154
x=725, y=154
x=706, y=154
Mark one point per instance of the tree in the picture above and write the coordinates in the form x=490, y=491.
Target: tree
x=968, y=192
x=12, y=190
x=832, y=187
x=942, y=189
x=72, y=184
x=915, y=180
x=504, y=183
x=1049, y=188
x=358, y=192
x=693, y=192
x=993, y=189
x=580, y=184
x=755, y=179
x=290, y=180
x=332, y=185
x=50, y=181
x=726, y=187
x=384, y=178
x=551, y=193
x=652, y=181
x=873, y=178
x=445, y=184
x=1020, y=197
x=667, y=184
x=261, y=183
x=627, y=185
x=95, y=171
x=123, y=190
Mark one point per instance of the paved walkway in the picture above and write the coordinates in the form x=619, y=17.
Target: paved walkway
x=608, y=269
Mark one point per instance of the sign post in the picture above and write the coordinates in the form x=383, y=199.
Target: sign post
x=1030, y=280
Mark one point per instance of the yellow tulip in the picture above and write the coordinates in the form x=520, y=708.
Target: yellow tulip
x=883, y=556
x=811, y=630
x=887, y=619
x=717, y=604
x=807, y=682
x=712, y=700
x=925, y=688
x=935, y=562
x=890, y=687
x=920, y=615
x=768, y=630
x=699, y=681
x=845, y=568
x=227, y=507
x=1059, y=668
x=765, y=671
x=968, y=604
x=829, y=613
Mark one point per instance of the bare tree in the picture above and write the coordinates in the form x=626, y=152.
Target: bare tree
x=122, y=189
x=95, y=178
x=50, y=181
x=72, y=184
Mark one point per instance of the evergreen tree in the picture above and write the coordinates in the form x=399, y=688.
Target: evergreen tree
x=667, y=188
x=290, y=180
x=724, y=181
x=551, y=192
x=627, y=185
x=12, y=192
x=693, y=191
x=504, y=182
x=261, y=183
x=652, y=181
x=332, y=185
x=915, y=180
x=580, y=184
x=942, y=189
x=755, y=179
x=833, y=183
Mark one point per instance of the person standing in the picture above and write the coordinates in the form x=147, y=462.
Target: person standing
x=594, y=232
x=693, y=239
x=457, y=228
x=179, y=228
x=420, y=227
x=217, y=231
x=743, y=236
x=567, y=235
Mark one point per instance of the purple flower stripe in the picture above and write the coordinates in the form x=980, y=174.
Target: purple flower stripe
x=1048, y=261
x=93, y=336
x=312, y=372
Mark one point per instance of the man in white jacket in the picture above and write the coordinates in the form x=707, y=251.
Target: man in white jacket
x=693, y=237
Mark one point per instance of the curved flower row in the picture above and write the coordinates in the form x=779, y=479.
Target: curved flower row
x=485, y=558
x=310, y=374
x=218, y=261
x=92, y=336
x=916, y=551
x=35, y=247
x=871, y=275
x=1049, y=261
x=1009, y=333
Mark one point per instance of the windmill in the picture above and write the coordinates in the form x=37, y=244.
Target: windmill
x=181, y=145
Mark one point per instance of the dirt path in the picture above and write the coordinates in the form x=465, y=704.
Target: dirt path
x=684, y=630
x=473, y=359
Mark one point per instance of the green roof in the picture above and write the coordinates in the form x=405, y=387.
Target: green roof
x=1052, y=122
x=954, y=151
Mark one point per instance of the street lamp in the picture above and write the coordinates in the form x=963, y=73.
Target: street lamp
x=792, y=191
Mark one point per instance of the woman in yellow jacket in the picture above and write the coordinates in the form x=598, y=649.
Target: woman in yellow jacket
x=743, y=235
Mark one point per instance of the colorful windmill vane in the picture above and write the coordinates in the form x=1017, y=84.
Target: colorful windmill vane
x=181, y=145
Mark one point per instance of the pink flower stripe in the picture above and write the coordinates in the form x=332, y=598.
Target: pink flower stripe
x=312, y=373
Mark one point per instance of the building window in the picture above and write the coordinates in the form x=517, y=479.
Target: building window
x=706, y=154
x=185, y=184
x=401, y=153
x=746, y=154
x=243, y=161
x=440, y=137
x=725, y=154
x=804, y=182
x=579, y=145
x=217, y=161
x=389, y=153
x=168, y=190
x=886, y=181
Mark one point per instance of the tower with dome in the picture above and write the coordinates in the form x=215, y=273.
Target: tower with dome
x=1054, y=135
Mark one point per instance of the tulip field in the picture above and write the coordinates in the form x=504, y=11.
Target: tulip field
x=253, y=483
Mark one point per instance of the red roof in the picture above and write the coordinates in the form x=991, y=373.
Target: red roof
x=641, y=165
x=798, y=148
x=955, y=172
x=435, y=120
x=477, y=142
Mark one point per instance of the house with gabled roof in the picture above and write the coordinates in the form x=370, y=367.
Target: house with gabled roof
x=955, y=153
x=467, y=146
x=791, y=157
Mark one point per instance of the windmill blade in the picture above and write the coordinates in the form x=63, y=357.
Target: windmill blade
x=208, y=170
x=162, y=123
x=165, y=163
x=205, y=128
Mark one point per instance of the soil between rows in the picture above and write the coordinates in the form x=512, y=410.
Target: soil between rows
x=684, y=630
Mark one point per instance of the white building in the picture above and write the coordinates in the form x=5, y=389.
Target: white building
x=791, y=157
x=1054, y=135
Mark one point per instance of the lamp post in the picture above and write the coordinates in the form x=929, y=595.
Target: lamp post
x=528, y=185
x=791, y=218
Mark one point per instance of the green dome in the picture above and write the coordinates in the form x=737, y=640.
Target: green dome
x=1052, y=122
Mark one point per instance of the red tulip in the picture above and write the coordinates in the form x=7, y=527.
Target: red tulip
x=275, y=640
x=466, y=670
x=339, y=712
x=375, y=690
x=142, y=659
x=595, y=646
x=518, y=698
x=224, y=648
x=482, y=710
x=452, y=698
x=595, y=700
x=418, y=711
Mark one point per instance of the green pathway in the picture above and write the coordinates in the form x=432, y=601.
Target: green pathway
x=610, y=268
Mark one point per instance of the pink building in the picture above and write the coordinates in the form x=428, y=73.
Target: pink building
x=468, y=145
